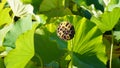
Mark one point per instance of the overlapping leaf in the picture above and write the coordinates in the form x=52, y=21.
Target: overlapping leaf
x=23, y=52
x=87, y=3
x=107, y=20
x=88, y=49
x=21, y=26
x=112, y=4
x=87, y=44
x=4, y=14
x=50, y=8
x=3, y=32
x=47, y=48
x=19, y=9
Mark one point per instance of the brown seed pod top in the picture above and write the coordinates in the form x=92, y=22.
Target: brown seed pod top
x=65, y=30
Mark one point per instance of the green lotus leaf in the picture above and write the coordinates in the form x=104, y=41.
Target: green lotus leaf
x=107, y=20
x=21, y=26
x=24, y=50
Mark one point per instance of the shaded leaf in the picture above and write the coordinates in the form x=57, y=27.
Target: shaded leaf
x=2, y=63
x=57, y=12
x=47, y=49
x=116, y=63
x=78, y=63
x=47, y=5
x=87, y=3
x=53, y=64
x=3, y=32
x=31, y=64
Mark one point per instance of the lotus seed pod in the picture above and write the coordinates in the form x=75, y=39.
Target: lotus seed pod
x=65, y=30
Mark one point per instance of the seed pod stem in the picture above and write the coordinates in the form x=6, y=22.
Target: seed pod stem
x=71, y=52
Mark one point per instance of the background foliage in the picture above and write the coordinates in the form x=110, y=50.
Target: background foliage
x=28, y=36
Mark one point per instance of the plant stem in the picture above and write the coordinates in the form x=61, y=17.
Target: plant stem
x=111, y=50
x=40, y=59
x=71, y=53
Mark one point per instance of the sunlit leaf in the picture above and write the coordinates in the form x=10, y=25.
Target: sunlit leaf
x=28, y=33
x=5, y=17
x=2, y=3
x=87, y=43
x=43, y=19
x=19, y=9
x=26, y=1
x=21, y=26
x=35, y=3
x=112, y=4
x=23, y=52
x=107, y=20
x=117, y=35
